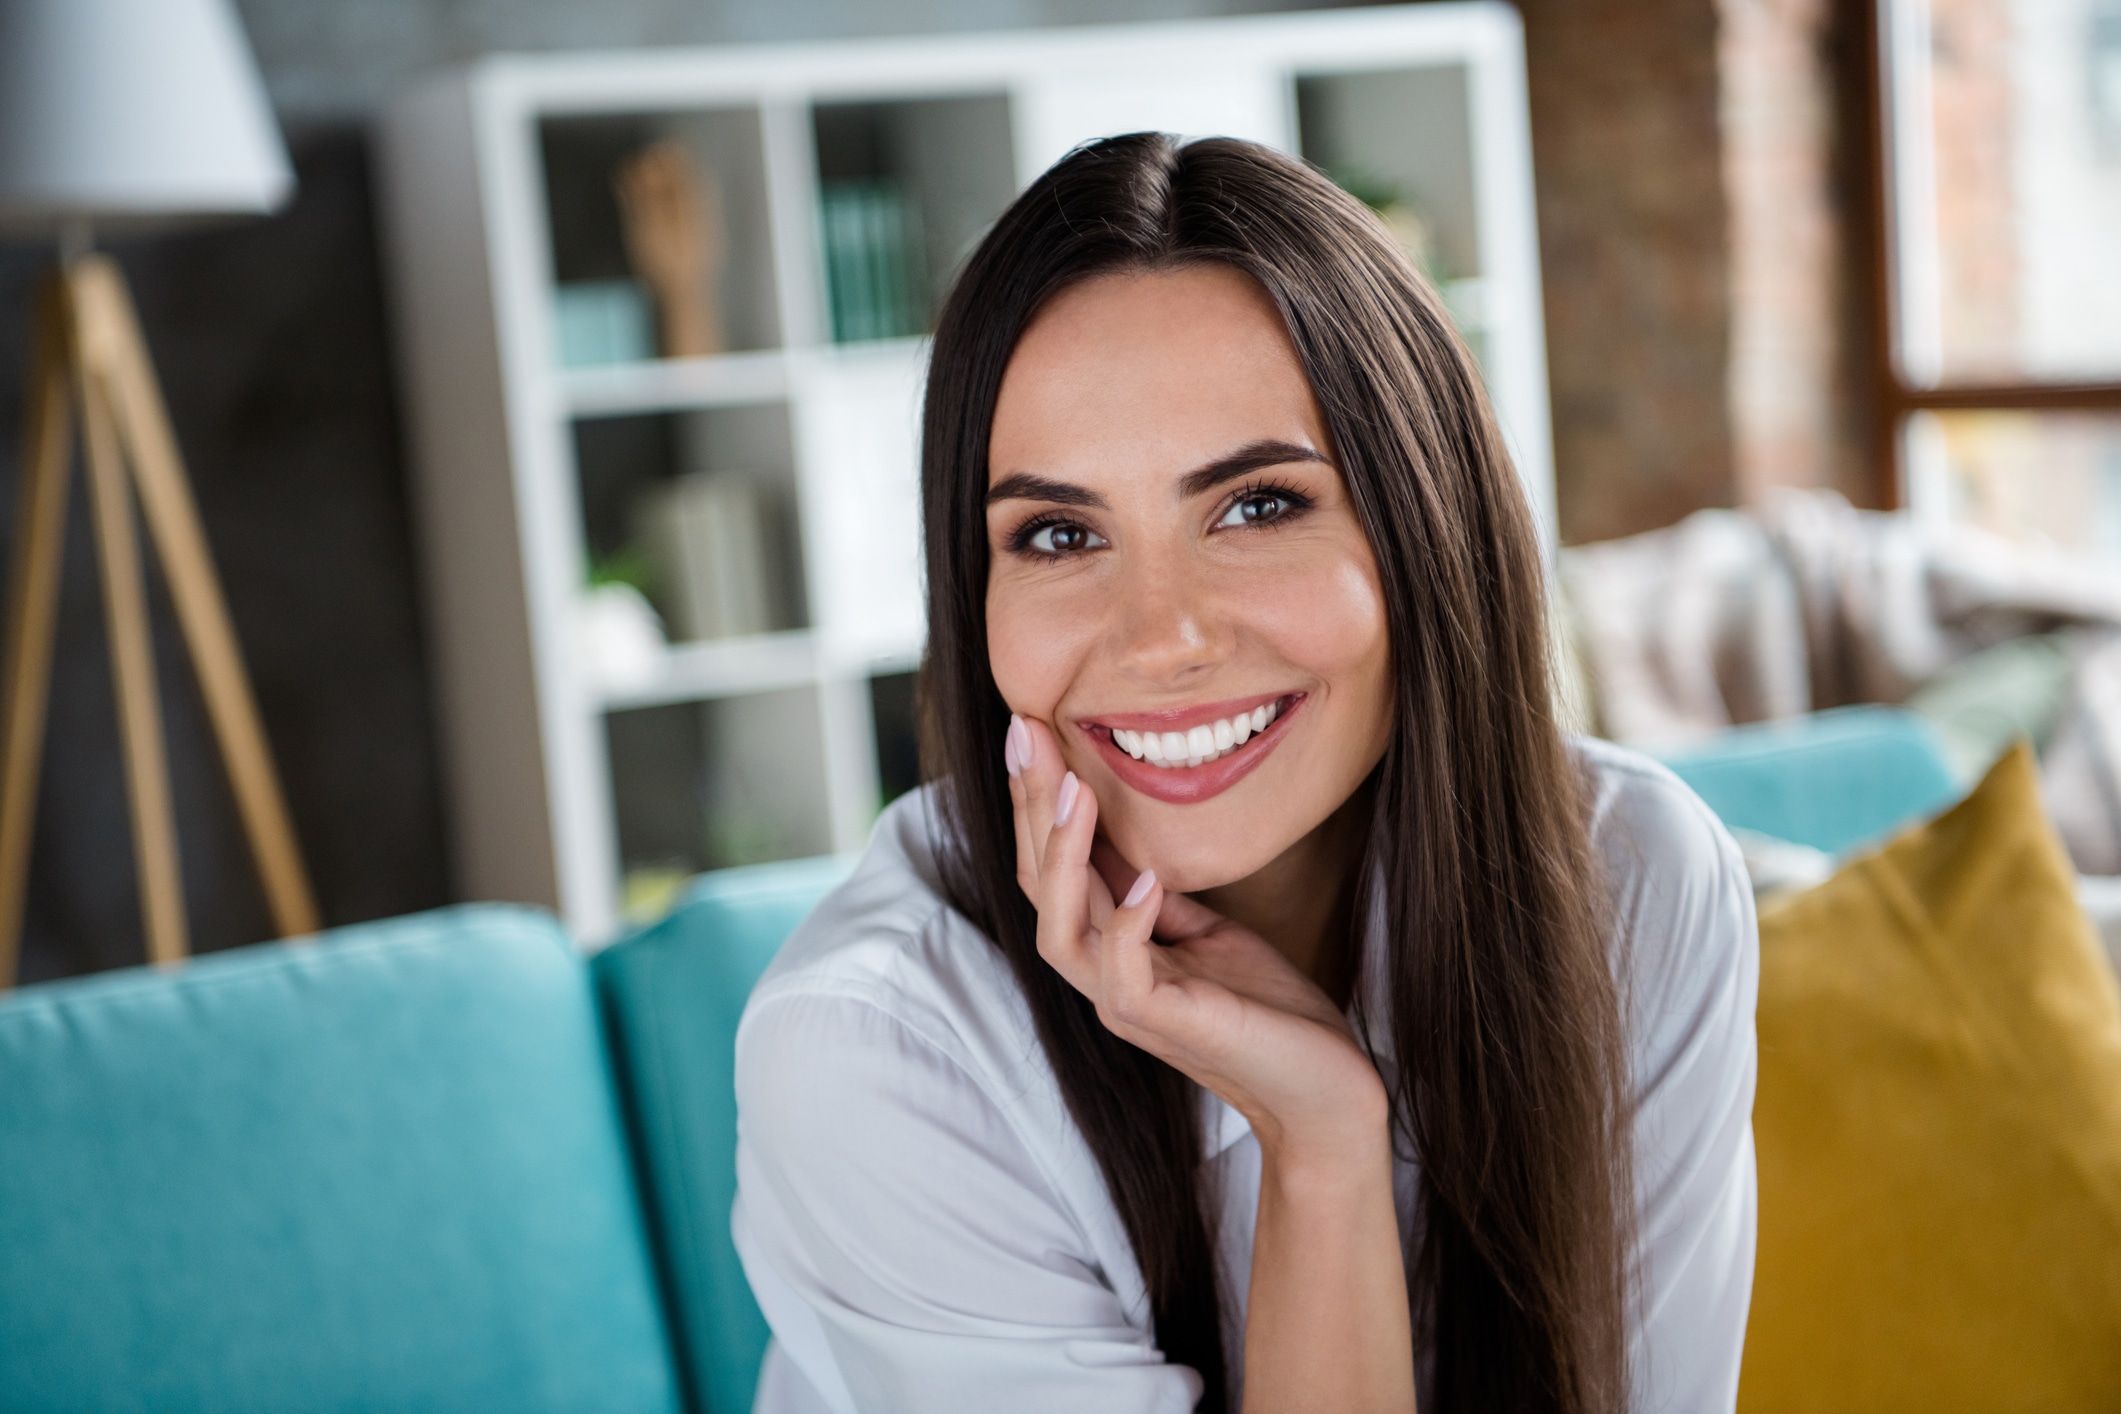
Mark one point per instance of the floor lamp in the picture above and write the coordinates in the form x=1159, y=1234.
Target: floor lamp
x=129, y=112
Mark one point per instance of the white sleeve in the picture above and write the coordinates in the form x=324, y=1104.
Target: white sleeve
x=1696, y=966
x=906, y=1249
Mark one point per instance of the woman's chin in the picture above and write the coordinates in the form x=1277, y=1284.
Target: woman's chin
x=1187, y=863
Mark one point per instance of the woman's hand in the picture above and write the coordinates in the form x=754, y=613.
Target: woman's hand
x=1326, y=1319
x=1219, y=1002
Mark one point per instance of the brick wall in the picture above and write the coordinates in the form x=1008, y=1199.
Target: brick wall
x=1696, y=175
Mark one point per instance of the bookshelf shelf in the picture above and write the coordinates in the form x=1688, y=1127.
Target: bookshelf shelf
x=676, y=384
x=701, y=672
x=824, y=196
x=724, y=380
x=698, y=672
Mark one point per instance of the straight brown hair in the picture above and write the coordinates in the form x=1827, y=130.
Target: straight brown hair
x=1507, y=1059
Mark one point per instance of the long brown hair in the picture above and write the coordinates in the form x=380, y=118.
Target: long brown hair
x=1505, y=1030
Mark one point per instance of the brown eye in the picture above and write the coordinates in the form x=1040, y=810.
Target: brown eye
x=1064, y=537
x=1256, y=508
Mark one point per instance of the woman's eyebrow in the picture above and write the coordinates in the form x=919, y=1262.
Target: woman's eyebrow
x=1242, y=462
x=1022, y=486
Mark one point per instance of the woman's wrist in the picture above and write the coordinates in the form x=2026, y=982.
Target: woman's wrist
x=1329, y=1144
x=1326, y=1323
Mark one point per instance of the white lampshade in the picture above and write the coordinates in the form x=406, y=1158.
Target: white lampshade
x=132, y=108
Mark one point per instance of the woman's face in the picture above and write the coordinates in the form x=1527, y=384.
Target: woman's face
x=1180, y=589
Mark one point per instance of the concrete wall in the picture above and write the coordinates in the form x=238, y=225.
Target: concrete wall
x=338, y=58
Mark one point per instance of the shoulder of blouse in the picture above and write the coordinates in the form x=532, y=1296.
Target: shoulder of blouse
x=1684, y=936
x=895, y=1003
x=1659, y=846
x=887, y=938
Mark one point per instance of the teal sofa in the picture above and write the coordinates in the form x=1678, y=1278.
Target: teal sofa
x=445, y=1163
x=442, y=1163
x=1837, y=781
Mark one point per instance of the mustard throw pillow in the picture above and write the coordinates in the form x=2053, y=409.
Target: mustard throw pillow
x=1939, y=1129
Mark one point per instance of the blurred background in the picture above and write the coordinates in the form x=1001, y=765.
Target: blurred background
x=1765, y=265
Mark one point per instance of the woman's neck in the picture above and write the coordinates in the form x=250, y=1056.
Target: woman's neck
x=1303, y=901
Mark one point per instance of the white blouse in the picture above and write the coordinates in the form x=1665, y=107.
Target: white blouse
x=926, y=1229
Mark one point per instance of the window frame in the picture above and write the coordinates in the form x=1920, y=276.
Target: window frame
x=1896, y=399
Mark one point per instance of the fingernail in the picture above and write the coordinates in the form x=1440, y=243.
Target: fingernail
x=1141, y=888
x=1016, y=747
x=1064, y=804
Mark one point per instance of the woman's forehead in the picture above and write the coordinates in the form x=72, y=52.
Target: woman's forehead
x=1142, y=369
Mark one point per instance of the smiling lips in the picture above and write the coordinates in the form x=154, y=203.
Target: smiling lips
x=1164, y=758
x=1177, y=750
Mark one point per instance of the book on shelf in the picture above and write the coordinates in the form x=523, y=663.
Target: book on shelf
x=873, y=262
x=599, y=322
x=709, y=536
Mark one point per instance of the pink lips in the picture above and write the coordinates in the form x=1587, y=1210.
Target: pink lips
x=1189, y=785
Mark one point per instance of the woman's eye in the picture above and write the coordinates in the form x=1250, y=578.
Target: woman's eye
x=1256, y=508
x=1063, y=538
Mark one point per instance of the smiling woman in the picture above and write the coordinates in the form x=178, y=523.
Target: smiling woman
x=1171, y=546
x=1264, y=1007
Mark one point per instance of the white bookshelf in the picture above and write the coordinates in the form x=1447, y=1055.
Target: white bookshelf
x=778, y=744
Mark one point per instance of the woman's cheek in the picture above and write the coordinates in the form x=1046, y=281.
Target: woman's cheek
x=1036, y=640
x=1325, y=616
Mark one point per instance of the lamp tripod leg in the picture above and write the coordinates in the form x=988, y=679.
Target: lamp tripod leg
x=88, y=352
x=172, y=518
x=131, y=649
x=33, y=603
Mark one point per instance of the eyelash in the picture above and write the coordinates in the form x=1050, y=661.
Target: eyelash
x=1295, y=503
x=1020, y=540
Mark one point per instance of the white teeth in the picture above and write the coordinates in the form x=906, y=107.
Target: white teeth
x=1195, y=745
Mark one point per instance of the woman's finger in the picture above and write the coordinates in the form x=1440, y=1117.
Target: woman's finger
x=1110, y=876
x=1100, y=899
x=1040, y=771
x=1065, y=939
x=1027, y=845
x=1112, y=869
x=1126, y=956
x=1183, y=917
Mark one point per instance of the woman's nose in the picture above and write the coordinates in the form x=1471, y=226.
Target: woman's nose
x=1167, y=627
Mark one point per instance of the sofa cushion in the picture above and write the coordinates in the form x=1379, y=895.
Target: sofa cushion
x=379, y=1170
x=1939, y=1129
x=674, y=994
x=1833, y=780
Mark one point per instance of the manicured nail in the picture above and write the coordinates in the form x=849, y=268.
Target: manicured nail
x=1141, y=888
x=1064, y=803
x=1016, y=747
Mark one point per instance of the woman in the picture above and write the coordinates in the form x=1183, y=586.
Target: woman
x=1266, y=1009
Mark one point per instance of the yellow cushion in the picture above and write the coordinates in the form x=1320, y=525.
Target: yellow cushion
x=1939, y=1128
